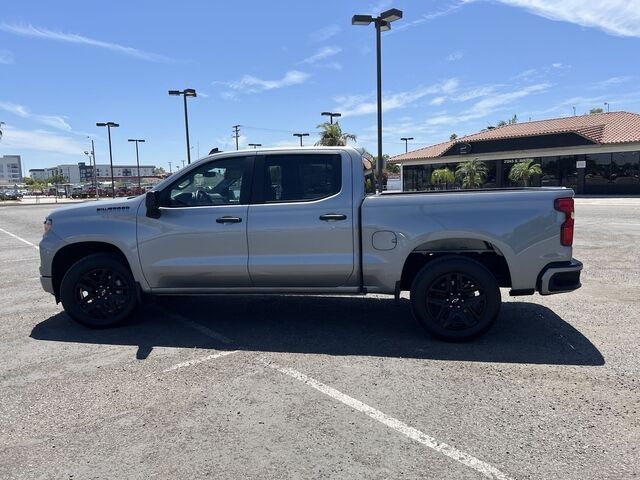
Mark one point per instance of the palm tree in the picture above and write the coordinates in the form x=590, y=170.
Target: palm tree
x=331, y=135
x=473, y=173
x=523, y=171
x=442, y=176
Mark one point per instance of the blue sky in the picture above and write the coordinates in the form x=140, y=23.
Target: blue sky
x=448, y=66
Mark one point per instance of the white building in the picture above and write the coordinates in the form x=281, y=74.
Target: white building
x=123, y=172
x=10, y=169
x=83, y=173
x=38, y=174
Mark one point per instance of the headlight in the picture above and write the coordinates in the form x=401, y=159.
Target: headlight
x=48, y=224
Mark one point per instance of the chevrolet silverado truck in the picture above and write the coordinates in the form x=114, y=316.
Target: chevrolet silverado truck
x=308, y=221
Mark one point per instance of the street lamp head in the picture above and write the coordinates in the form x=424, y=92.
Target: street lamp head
x=361, y=19
x=101, y=124
x=190, y=92
x=174, y=92
x=86, y=152
x=391, y=15
x=384, y=26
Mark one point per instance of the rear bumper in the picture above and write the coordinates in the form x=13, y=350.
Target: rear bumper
x=560, y=277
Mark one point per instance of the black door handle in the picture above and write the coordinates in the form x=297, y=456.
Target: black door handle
x=228, y=219
x=332, y=217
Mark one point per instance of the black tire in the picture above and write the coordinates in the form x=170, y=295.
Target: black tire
x=455, y=298
x=99, y=291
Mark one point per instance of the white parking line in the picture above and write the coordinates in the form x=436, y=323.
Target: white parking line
x=199, y=360
x=20, y=238
x=414, y=434
x=19, y=260
x=484, y=468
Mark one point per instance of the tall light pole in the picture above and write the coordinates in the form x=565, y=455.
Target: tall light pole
x=382, y=24
x=109, y=126
x=187, y=92
x=300, y=135
x=406, y=143
x=170, y=167
x=1, y=123
x=606, y=104
x=331, y=115
x=95, y=166
x=137, y=157
x=254, y=145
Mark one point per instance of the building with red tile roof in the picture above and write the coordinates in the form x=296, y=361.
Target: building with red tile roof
x=595, y=153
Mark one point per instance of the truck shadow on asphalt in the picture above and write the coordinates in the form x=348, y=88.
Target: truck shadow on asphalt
x=343, y=326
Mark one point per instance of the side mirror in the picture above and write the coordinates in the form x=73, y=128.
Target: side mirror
x=152, y=202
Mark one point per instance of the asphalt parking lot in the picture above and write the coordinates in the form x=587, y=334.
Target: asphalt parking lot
x=325, y=387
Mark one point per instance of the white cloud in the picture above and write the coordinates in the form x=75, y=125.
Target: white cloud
x=55, y=121
x=322, y=54
x=325, y=33
x=40, y=140
x=455, y=56
x=44, y=33
x=437, y=101
x=426, y=17
x=352, y=105
x=379, y=6
x=609, y=82
x=251, y=84
x=6, y=57
x=616, y=17
x=15, y=109
x=493, y=102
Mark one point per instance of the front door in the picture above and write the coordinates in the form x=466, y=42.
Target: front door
x=301, y=222
x=200, y=238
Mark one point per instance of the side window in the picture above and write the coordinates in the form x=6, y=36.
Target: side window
x=214, y=183
x=300, y=178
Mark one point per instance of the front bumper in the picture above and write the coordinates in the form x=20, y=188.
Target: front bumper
x=560, y=277
x=47, y=284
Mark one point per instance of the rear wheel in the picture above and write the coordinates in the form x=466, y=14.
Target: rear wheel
x=455, y=298
x=99, y=291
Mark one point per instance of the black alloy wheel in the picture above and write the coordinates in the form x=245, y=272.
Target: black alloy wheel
x=455, y=298
x=99, y=291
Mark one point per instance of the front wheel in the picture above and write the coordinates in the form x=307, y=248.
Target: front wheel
x=99, y=291
x=455, y=298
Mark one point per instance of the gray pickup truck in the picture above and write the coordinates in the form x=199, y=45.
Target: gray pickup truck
x=307, y=221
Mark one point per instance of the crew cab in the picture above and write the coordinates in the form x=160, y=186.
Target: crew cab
x=308, y=221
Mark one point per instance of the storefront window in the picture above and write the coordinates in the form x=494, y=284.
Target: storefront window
x=598, y=169
x=534, y=181
x=625, y=167
x=416, y=178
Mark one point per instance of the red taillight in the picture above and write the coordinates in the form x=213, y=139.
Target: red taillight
x=565, y=205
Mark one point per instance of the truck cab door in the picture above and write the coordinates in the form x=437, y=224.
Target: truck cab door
x=301, y=220
x=199, y=240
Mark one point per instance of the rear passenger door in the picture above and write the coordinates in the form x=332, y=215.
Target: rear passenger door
x=301, y=221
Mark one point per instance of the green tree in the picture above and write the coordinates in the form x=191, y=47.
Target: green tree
x=443, y=176
x=453, y=136
x=159, y=171
x=523, y=171
x=27, y=181
x=596, y=110
x=58, y=178
x=473, y=173
x=331, y=135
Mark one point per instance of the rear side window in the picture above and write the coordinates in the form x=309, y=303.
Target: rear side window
x=301, y=178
